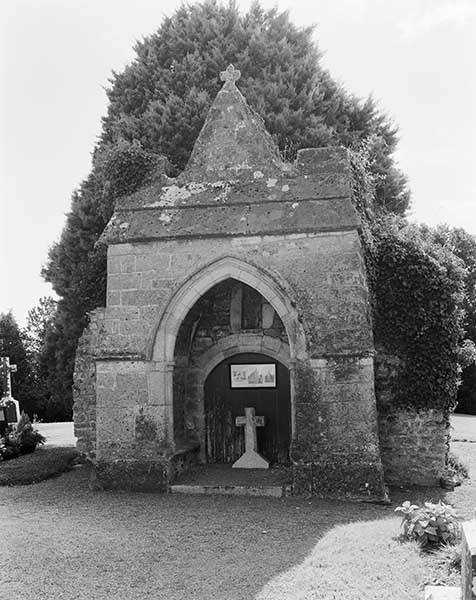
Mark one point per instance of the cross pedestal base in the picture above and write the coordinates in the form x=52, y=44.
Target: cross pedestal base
x=251, y=460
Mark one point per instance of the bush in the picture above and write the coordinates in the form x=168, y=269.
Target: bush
x=430, y=525
x=26, y=436
x=8, y=450
x=23, y=439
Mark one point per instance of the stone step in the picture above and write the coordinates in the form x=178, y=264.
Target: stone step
x=274, y=491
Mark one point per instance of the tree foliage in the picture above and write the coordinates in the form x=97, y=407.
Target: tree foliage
x=419, y=298
x=39, y=325
x=463, y=245
x=26, y=349
x=157, y=106
x=161, y=99
x=419, y=293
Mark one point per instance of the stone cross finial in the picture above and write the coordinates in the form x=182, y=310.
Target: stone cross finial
x=230, y=74
x=250, y=459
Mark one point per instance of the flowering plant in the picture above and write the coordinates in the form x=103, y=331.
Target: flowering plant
x=431, y=524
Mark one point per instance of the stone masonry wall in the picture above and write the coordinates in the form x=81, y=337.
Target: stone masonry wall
x=413, y=444
x=326, y=277
x=325, y=272
x=336, y=451
x=84, y=388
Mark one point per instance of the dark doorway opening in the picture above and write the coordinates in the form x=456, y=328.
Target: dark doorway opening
x=223, y=403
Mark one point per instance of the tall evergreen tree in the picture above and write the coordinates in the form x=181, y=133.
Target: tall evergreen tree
x=39, y=324
x=157, y=106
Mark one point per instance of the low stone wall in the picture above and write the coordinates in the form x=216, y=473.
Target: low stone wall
x=413, y=446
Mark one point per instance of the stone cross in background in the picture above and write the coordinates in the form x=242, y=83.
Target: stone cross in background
x=5, y=375
x=11, y=406
x=250, y=459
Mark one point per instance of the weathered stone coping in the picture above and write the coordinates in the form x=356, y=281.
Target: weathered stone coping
x=268, y=491
x=249, y=199
x=232, y=220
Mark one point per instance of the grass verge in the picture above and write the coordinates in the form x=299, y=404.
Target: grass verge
x=41, y=464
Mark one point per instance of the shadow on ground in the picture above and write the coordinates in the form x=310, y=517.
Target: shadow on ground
x=82, y=544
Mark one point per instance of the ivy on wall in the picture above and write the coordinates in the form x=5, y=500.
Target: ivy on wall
x=416, y=291
x=418, y=316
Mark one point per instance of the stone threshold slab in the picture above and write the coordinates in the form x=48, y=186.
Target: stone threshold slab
x=273, y=491
x=440, y=592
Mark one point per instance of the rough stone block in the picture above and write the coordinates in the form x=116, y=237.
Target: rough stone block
x=138, y=475
x=413, y=446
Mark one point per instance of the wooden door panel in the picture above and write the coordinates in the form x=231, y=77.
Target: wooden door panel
x=224, y=440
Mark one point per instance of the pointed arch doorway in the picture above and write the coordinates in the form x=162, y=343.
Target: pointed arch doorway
x=226, y=398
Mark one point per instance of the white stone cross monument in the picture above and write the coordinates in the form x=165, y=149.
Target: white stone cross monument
x=7, y=400
x=250, y=459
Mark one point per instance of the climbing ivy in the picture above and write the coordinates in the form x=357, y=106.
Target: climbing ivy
x=416, y=289
x=418, y=316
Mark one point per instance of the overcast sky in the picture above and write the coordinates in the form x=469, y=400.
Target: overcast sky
x=415, y=57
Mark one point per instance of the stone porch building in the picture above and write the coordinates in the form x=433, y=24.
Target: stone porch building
x=241, y=260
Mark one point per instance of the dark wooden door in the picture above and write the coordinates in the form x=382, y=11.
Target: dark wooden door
x=224, y=440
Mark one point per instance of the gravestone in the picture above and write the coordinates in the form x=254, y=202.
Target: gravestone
x=3, y=421
x=250, y=459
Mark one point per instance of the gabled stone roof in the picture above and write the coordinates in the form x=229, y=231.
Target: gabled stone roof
x=236, y=183
x=233, y=142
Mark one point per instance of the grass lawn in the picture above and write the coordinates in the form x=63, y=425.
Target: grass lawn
x=62, y=541
x=32, y=468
